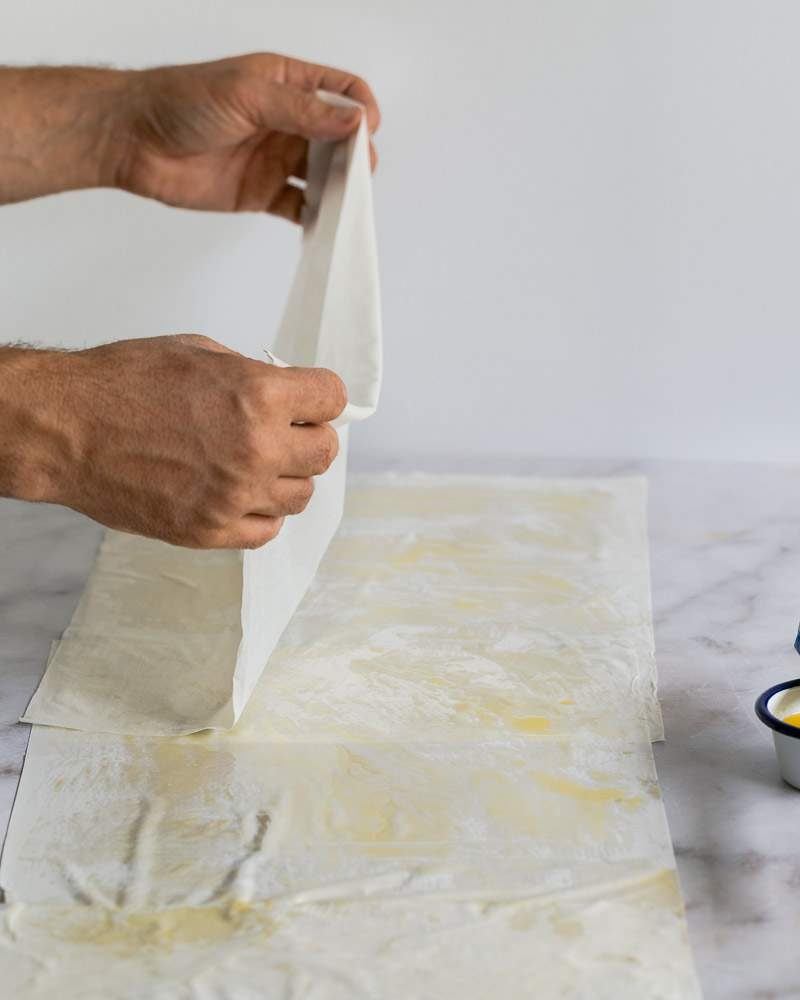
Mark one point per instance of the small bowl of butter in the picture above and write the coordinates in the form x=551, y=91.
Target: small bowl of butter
x=779, y=708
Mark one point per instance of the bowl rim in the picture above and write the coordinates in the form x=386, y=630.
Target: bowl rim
x=767, y=717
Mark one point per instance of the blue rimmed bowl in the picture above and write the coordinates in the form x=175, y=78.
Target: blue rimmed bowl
x=772, y=707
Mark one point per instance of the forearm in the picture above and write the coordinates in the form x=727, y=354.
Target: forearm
x=35, y=444
x=59, y=129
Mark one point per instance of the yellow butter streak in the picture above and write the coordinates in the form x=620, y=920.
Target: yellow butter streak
x=588, y=793
x=530, y=724
x=127, y=932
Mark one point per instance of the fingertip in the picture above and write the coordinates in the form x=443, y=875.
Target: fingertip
x=336, y=389
x=361, y=91
x=373, y=118
x=339, y=122
x=318, y=394
x=329, y=122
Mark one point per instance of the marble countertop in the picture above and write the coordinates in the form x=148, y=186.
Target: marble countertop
x=725, y=544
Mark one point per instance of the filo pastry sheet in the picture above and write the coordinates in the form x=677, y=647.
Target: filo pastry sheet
x=442, y=786
x=168, y=641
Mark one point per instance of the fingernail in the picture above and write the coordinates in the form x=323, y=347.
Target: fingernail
x=348, y=114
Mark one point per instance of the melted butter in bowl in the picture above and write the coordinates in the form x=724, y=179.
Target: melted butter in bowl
x=779, y=709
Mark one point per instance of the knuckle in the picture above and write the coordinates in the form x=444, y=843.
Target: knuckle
x=270, y=67
x=251, y=417
x=223, y=502
x=250, y=451
x=308, y=106
x=266, y=459
x=196, y=536
x=183, y=524
x=254, y=62
x=262, y=393
x=209, y=520
x=194, y=340
x=245, y=400
x=233, y=501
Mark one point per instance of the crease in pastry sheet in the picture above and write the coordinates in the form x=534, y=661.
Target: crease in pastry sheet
x=442, y=787
x=167, y=640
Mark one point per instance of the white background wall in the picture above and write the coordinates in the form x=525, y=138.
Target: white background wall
x=588, y=218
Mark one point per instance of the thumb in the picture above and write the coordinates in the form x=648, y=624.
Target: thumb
x=301, y=112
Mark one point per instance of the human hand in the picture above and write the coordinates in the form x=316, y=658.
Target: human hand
x=224, y=135
x=176, y=438
x=229, y=135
